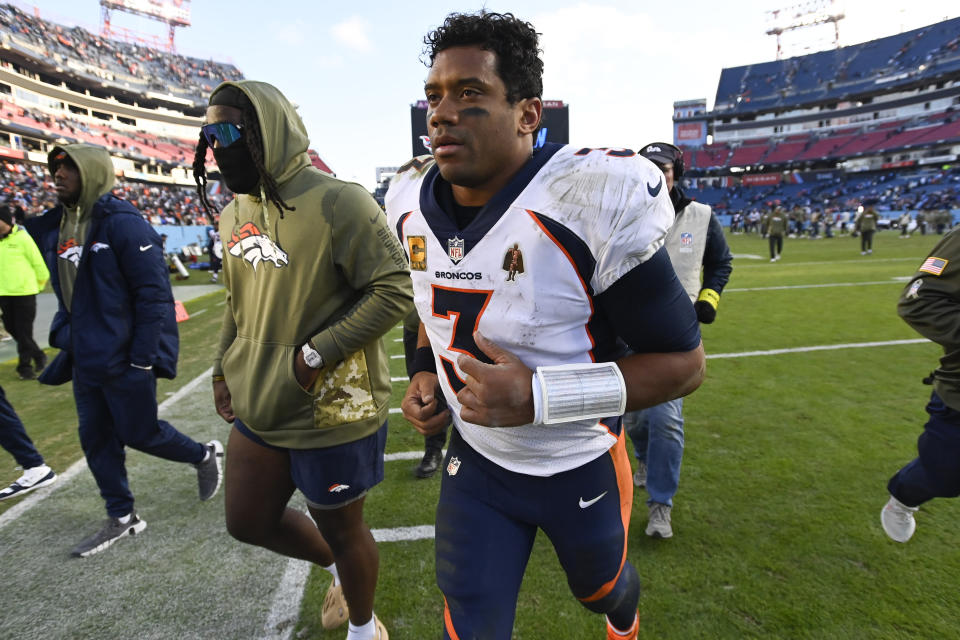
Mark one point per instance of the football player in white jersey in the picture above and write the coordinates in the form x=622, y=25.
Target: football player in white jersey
x=532, y=272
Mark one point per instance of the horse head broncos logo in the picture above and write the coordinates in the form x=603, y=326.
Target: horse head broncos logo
x=251, y=245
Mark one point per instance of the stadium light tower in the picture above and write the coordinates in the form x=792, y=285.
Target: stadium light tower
x=173, y=13
x=805, y=15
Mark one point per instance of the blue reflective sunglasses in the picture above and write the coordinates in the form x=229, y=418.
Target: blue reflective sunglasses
x=226, y=133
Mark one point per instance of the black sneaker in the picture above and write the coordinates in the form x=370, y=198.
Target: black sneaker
x=26, y=373
x=210, y=471
x=41, y=361
x=429, y=464
x=111, y=531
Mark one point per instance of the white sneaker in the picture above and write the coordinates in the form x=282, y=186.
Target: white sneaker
x=897, y=520
x=659, y=523
x=640, y=475
x=32, y=478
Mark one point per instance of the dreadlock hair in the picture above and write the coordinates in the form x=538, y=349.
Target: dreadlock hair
x=253, y=139
x=200, y=174
x=514, y=42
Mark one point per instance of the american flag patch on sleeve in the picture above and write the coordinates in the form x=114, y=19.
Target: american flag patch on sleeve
x=934, y=265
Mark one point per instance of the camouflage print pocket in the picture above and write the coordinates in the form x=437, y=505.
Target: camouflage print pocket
x=342, y=394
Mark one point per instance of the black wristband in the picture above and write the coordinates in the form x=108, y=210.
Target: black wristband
x=423, y=360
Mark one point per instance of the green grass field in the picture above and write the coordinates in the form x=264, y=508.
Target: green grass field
x=776, y=522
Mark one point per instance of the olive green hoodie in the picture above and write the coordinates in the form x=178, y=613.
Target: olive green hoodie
x=96, y=179
x=330, y=272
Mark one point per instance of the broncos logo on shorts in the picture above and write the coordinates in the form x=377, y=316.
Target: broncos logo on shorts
x=254, y=247
x=70, y=250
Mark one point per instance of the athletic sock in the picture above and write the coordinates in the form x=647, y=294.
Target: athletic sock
x=629, y=633
x=332, y=569
x=363, y=632
x=125, y=519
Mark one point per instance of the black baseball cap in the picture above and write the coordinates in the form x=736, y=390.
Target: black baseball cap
x=660, y=153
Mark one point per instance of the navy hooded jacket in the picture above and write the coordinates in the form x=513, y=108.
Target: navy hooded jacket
x=122, y=309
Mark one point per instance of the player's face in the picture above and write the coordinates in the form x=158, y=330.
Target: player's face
x=478, y=138
x=66, y=179
x=668, y=174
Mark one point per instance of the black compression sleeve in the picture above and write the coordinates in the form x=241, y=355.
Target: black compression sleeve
x=649, y=309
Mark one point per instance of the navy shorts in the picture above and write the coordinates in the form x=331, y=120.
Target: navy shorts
x=333, y=477
x=487, y=520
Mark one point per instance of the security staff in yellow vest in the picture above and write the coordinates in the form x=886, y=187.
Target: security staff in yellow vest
x=696, y=246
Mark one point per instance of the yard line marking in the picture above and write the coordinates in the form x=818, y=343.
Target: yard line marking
x=825, y=347
x=863, y=260
x=285, y=609
x=402, y=534
x=896, y=281
x=395, y=410
x=396, y=357
x=34, y=498
x=196, y=313
x=399, y=379
x=406, y=455
x=398, y=339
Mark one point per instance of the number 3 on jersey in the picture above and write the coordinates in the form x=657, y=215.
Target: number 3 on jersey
x=465, y=306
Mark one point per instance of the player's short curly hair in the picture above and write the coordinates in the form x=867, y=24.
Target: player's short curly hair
x=514, y=41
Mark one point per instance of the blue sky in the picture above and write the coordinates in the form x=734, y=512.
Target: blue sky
x=354, y=67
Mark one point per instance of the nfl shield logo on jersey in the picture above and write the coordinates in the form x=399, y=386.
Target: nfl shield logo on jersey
x=455, y=249
x=686, y=242
x=453, y=466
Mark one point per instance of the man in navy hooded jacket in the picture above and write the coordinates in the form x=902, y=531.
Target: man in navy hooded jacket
x=116, y=328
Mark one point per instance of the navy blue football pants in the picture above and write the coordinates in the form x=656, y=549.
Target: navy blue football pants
x=935, y=472
x=14, y=438
x=123, y=412
x=487, y=520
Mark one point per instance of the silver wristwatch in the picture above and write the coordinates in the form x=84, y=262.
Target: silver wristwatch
x=311, y=356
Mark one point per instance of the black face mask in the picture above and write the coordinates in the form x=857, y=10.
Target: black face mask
x=237, y=168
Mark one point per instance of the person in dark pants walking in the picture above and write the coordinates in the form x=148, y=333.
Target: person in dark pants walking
x=432, y=444
x=117, y=331
x=776, y=228
x=930, y=304
x=14, y=438
x=867, y=226
x=22, y=276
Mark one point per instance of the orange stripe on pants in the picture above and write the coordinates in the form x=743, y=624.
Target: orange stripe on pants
x=621, y=464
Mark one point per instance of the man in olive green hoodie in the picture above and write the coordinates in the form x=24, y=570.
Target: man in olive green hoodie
x=867, y=226
x=314, y=278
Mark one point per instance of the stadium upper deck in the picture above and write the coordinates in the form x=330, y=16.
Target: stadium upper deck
x=888, y=102
x=75, y=55
x=908, y=60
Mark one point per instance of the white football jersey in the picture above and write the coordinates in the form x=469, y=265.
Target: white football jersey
x=524, y=273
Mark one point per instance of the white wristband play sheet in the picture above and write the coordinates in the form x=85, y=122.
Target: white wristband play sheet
x=570, y=392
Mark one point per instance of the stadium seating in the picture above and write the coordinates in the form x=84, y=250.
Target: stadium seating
x=891, y=62
x=105, y=62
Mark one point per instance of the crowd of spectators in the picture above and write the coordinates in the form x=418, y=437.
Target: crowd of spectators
x=114, y=61
x=926, y=190
x=29, y=187
x=136, y=144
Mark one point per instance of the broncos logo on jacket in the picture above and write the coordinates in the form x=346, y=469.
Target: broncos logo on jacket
x=70, y=250
x=254, y=247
